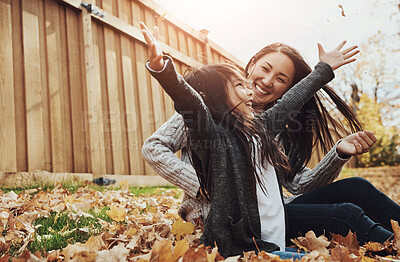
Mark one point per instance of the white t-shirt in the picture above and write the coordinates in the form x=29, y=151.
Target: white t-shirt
x=270, y=206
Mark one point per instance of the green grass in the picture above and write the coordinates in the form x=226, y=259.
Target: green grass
x=59, y=229
x=72, y=187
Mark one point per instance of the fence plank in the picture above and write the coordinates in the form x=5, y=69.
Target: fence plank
x=53, y=44
x=8, y=151
x=147, y=124
x=136, y=15
x=76, y=94
x=19, y=88
x=44, y=88
x=100, y=58
x=132, y=109
x=93, y=95
x=66, y=99
x=116, y=126
x=33, y=84
x=173, y=36
x=183, y=45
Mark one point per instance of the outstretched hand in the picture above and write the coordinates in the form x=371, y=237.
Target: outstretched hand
x=356, y=144
x=337, y=58
x=155, y=53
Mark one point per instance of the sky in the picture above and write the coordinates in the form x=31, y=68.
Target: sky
x=243, y=27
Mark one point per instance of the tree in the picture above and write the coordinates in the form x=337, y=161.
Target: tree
x=375, y=89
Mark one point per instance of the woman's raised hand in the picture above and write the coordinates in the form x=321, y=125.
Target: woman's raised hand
x=337, y=58
x=356, y=144
x=155, y=53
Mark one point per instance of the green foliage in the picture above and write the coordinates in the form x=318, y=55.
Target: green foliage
x=386, y=149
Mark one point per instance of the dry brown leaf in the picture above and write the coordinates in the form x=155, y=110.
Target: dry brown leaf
x=342, y=254
x=181, y=228
x=180, y=248
x=54, y=256
x=350, y=241
x=367, y=259
x=162, y=252
x=94, y=243
x=314, y=256
x=374, y=246
x=396, y=240
x=84, y=256
x=116, y=213
x=27, y=256
x=195, y=254
x=310, y=242
x=341, y=8
x=118, y=253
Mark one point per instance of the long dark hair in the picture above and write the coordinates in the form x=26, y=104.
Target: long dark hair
x=313, y=124
x=212, y=83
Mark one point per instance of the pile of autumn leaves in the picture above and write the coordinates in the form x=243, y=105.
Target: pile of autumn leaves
x=147, y=228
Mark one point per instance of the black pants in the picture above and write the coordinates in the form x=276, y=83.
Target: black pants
x=349, y=204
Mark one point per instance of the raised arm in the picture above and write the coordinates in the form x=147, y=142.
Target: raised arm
x=187, y=101
x=277, y=117
x=158, y=150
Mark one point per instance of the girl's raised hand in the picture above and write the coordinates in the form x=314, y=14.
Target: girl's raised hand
x=337, y=58
x=356, y=144
x=155, y=53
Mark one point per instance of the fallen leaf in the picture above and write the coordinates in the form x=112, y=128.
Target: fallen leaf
x=350, y=241
x=195, y=254
x=94, y=243
x=180, y=248
x=310, y=242
x=118, y=253
x=181, y=228
x=396, y=240
x=342, y=254
x=374, y=246
x=116, y=213
x=162, y=252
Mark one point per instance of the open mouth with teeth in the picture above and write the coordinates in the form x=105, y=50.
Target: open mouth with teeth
x=250, y=104
x=260, y=90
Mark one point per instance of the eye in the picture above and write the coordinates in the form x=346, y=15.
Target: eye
x=281, y=80
x=266, y=69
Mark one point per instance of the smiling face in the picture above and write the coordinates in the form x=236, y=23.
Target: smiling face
x=271, y=76
x=242, y=97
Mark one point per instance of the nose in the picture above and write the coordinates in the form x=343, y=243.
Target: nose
x=250, y=92
x=267, y=81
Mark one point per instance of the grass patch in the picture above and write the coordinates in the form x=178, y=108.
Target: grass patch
x=72, y=187
x=137, y=191
x=60, y=229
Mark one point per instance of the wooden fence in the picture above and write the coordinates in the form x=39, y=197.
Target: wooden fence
x=75, y=95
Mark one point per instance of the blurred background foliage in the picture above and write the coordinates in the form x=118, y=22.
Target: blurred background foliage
x=375, y=90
